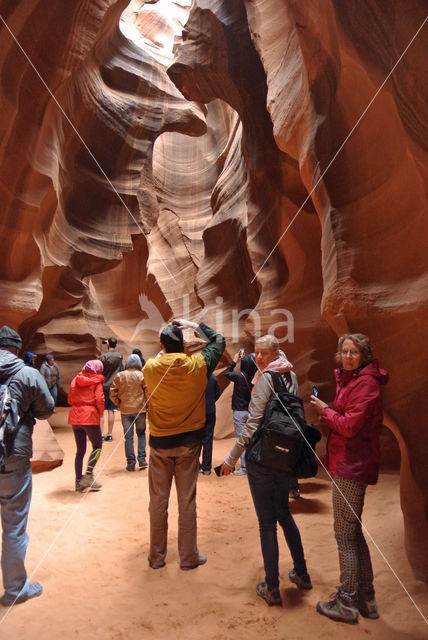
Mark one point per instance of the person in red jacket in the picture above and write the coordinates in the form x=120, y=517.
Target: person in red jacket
x=353, y=454
x=86, y=397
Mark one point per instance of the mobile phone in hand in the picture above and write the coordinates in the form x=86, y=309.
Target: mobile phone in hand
x=218, y=469
x=241, y=353
x=315, y=391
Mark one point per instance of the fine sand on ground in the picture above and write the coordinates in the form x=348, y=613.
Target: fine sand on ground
x=90, y=554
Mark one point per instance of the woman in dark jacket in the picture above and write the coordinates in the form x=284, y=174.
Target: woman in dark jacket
x=355, y=422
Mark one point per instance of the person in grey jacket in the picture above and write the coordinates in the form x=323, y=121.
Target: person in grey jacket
x=50, y=372
x=31, y=393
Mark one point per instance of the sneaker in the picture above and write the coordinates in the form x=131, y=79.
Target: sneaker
x=88, y=482
x=201, y=560
x=205, y=472
x=271, y=596
x=303, y=581
x=142, y=465
x=294, y=493
x=240, y=472
x=108, y=438
x=367, y=604
x=130, y=467
x=34, y=590
x=341, y=608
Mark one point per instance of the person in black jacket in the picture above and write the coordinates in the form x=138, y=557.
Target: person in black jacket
x=212, y=394
x=242, y=387
x=28, y=387
x=112, y=361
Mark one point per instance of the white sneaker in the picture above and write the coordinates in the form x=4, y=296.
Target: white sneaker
x=240, y=472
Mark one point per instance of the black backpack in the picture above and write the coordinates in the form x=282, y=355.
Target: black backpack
x=283, y=440
x=9, y=422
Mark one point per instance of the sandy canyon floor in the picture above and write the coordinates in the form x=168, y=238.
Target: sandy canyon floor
x=90, y=554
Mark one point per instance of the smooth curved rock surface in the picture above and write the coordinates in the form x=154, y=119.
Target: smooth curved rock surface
x=235, y=163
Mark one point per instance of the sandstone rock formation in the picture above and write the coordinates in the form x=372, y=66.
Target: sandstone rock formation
x=251, y=163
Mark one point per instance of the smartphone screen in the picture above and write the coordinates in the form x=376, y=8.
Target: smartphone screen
x=315, y=391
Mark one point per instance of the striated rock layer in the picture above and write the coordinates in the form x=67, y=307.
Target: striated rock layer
x=254, y=164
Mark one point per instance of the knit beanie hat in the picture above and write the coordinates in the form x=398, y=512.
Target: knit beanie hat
x=9, y=338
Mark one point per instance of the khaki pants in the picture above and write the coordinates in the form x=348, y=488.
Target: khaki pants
x=183, y=463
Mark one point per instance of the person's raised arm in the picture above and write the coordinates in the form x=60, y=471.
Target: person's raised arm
x=216, y=343
x=259, y=399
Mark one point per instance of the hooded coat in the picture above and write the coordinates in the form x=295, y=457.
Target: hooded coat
x=177, y=406
x=355, y=422
x=86, y=397
x=29, y=389
x=128, y=390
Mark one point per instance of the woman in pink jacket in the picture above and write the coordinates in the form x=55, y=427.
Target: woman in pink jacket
x=355, y=422
x=86, y=397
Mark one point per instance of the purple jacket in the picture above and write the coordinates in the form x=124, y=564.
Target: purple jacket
x=353, y=449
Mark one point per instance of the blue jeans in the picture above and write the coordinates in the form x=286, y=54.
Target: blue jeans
x=239, y=422
x=15, y=498
x=269, y=490
x=54, y=392
x=128, y=422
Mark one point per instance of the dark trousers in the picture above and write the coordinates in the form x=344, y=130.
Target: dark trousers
x=207, y=442
x=94, y=434
x=269, y=490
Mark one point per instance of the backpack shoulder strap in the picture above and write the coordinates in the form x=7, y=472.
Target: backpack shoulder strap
x=277, y=381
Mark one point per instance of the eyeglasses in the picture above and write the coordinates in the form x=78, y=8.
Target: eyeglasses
x=351, y=353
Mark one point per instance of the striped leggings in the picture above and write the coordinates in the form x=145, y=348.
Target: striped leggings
x=356, y=571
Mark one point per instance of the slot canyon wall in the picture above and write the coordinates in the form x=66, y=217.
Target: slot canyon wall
x=229, y=161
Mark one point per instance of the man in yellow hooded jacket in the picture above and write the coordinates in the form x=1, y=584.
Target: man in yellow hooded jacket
x=176, y=386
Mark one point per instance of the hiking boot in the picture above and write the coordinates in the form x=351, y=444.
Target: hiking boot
x=271, y=596
x=130, y=467
x=88, y=482
x=303, y=581
x=367, y=604
x=342, y=608
x=142, y=465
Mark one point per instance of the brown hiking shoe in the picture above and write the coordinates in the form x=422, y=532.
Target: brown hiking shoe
x=89, y=482
x=271, y=596
x=342, y=608
x=303, y=581
x=367, y=604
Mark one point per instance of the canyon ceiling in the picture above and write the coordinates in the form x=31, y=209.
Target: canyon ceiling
x=259, y=164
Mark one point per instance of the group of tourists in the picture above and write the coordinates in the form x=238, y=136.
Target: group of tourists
x=178, y=392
